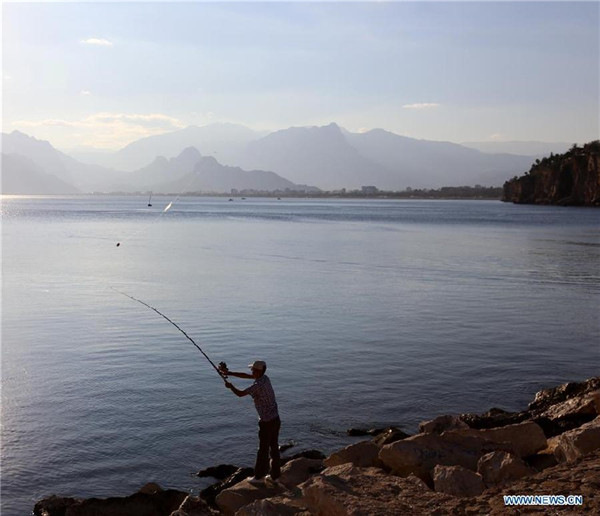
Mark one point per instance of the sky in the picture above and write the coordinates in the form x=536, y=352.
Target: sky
x=101, y=75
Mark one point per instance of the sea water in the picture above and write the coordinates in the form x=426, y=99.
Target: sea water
x=368, y=313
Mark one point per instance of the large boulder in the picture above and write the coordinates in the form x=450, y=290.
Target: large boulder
x=363, y=454
x=457, y=481
x=571, y=413
x=578, y=442
x=299, y=470
x=420, y=453
x=525, y=438
x=348, y=490
x=501, y=467
x=442, y=424
x=230, y=500
x=587, y=404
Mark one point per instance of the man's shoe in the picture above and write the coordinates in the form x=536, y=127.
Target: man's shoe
x=255, y=481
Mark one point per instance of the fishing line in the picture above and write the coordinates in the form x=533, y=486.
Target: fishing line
x=156, y=219
x=223, y=376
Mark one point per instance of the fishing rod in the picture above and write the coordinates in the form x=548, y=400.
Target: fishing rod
x=222, y=364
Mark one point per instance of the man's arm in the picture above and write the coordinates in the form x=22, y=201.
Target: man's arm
x=227, y=372
x=235, y=390
x=239, y=375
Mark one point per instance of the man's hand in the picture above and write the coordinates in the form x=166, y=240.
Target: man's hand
x=223, y=368
x=228, y=385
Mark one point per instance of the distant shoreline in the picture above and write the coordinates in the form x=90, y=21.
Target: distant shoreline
x=444, y=193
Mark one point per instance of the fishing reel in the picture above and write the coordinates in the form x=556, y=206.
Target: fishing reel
x=223, y=368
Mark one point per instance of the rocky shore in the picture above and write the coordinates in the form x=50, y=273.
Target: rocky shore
x=456, y=464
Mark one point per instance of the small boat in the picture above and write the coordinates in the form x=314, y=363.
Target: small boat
x=150, y=199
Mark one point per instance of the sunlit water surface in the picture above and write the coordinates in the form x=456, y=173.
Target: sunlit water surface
x=368, y=313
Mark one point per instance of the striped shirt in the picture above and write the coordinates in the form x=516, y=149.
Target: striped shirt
x=264, y=398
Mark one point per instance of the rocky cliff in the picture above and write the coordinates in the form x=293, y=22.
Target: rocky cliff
x=569, y=179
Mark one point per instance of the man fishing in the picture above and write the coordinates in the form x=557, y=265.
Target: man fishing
x=264, y=400
x=268, y=418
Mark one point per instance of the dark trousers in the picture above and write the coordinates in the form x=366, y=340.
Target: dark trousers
x=268, y=442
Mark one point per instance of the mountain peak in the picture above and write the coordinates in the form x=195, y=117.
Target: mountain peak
x=189, y=153
x=22, y=137
x=209, y=160
x=19, y=134
x=160, y=160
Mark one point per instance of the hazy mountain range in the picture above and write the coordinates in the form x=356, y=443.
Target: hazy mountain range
x=222, y=157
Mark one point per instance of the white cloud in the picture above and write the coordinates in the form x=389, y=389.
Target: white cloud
x=110, y=130
x=157, y=120
x=97, y=41
x=85, y=93
x=421, y=105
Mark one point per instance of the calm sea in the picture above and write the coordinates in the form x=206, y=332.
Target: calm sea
x=368, y=313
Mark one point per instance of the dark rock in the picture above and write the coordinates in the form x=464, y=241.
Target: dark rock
x=442, y=424
x=307, y=454
x=219, y=472
x=390, y=435
x=541, y=461
x=361, y=432
x=494, y=418
x=287, y=446
x=210, y=493
x=158, y=503
x=53, y=506
x=357, y=432
x=150, y=488
x=554, y=427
